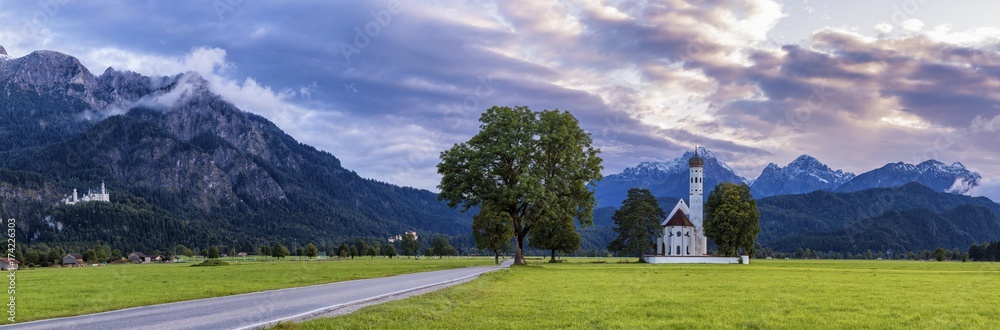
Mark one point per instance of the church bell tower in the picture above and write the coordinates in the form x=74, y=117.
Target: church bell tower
x=696, y=201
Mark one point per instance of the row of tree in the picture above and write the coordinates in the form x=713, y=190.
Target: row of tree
x=985, y=252
x=939, y=254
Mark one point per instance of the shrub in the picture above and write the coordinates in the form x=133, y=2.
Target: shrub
x=211, y=262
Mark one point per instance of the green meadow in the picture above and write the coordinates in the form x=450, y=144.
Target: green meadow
x=767, y=294
x=54, y=292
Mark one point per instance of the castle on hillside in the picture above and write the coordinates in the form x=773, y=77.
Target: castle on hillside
x=100, y=196
x=399, y=238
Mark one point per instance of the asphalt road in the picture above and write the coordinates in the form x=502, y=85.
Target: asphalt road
x=254, y=310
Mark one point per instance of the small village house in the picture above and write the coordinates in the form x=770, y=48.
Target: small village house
x=8, y=264
x=73, y=260
x=139, y=258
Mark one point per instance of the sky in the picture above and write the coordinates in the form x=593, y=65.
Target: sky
x=387, y=85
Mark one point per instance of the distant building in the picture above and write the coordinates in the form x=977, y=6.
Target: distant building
x=394, y=239
x=139, y=258
x=100, y=196
x=72, y=260
x=8, y=264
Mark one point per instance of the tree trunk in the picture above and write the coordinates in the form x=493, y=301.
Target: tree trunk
x=519, y=251
x=553, y=256
x=496, y=257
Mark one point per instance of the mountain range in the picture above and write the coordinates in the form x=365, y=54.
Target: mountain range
x=803, y=175
x=183, y=165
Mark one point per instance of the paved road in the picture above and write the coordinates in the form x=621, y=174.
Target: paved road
x=257, y=309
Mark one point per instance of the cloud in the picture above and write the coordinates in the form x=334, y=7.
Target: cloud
x=913, y=25
x=983, y=125
x=988, y=187
x=647, y=79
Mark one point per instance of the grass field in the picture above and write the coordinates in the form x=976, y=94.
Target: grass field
x=767, y=294
x=53, y=292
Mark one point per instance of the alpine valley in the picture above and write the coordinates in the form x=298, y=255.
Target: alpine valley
x=184, y=166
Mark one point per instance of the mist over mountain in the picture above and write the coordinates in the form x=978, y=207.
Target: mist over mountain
x=183, y=165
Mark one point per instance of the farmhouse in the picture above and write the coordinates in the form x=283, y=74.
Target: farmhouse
x=683, y=239
x=73, y=260
x=139, y=258
x=8, y=264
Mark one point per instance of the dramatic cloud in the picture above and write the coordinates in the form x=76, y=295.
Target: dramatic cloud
x=386, y=86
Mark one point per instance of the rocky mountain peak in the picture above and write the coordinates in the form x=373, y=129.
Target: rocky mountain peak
x=806, y=161
x=47, y=71
x=3, y=51
x=804, y=174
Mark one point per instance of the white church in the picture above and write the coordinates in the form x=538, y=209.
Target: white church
x=683, y=240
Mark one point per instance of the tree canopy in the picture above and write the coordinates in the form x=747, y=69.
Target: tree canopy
x=532, y=165
x=409, y=245
x=442, y=248
x=311, y=251
x=555, y=235
x=492, y=230
x=279, y=251
x=637, y=223
x=732, y=220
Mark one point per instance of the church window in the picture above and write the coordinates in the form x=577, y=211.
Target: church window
x=678, y=234
x=678, y=250
x=688, y=249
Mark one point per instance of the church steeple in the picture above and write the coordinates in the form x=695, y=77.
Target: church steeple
x=696, y=161
x=696, y=200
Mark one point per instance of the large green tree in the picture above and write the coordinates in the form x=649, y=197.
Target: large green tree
x=532, y=165
x=492, y=230
x=637, y=223
x=555, y=235
x=732, y=220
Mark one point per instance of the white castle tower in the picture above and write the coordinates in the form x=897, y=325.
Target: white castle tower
x=91, y=196
x=696, y=201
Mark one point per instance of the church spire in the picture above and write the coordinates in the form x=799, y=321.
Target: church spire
x=696, y=161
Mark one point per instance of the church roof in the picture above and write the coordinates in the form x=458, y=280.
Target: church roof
x=681, y=207
x=679, y=219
